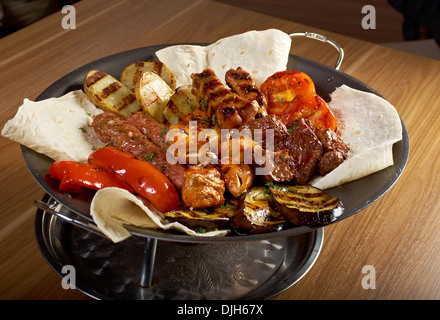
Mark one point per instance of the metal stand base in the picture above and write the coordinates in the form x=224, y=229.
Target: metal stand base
x=145, y=268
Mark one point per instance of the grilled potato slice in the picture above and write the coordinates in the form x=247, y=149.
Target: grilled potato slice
x=153, y=94
x=182, y=102
x=133, y=73
x=109, y=94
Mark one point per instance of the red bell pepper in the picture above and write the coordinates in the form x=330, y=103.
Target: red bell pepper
x=74, y=175
x=143, y=177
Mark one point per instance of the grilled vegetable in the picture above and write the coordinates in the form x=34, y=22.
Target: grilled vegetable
x=153, y=94
x=143, y=177
x=109, y=94
x=133, y=72
x=291, y=95
x=182, y=102
x=75, y=175
x=254, y=213
x=306, y=205
x=199, y=220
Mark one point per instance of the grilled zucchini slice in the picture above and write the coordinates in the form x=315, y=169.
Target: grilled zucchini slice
x=109, y=94
x=199, y=220
x=306, y=205
x=131, y=75
x=255, y=214
x=153, y=94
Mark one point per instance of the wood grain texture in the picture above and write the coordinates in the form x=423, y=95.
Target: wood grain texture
x=341, y=16
x=398, y=235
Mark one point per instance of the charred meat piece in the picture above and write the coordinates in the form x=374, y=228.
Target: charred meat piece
x=262, y=124
x=153, y=130
x=335, y=151
x=225, y=108
x=304, y=148
x=203, y=188
x=242, y=84
x=117, y=132
x=283, y=168
x=200, y=116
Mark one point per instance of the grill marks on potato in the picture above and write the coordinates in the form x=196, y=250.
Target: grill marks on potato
x=110, y=94
x=112, y=88
x=93, y=77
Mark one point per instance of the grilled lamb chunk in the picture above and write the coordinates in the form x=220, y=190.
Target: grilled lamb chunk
x=222, y=105
x=335, y=151
x=284, y=168
x=305, y=149
x=242, y=84
x=119, y=133
x=268, y=122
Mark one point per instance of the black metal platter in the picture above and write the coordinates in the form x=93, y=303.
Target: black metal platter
x=355, y=195
x=185, y=267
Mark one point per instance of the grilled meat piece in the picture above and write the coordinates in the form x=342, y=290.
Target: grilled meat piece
x=335, y=151
x=268, y=122
x=282, y=169
x=238, y=178
x=203, y=188
x=242, y=84
x=119, y=133
x=198, y=115
x=153, y=130
x=227, y=109
x=304, y=148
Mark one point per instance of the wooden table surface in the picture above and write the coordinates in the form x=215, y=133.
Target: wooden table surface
x=397, y=235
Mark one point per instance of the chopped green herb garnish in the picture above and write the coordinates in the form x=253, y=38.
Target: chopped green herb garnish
x=200, y=230
x=163, y=131
x=151, y=156
x=291, y=129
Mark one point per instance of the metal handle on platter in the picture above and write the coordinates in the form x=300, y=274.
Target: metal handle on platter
x=52, y=209
x=325, y=39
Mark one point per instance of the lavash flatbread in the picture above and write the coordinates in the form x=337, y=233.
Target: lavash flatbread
x=112, y=208
x=261, y=53
x=370, y=126
x=54, y=126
